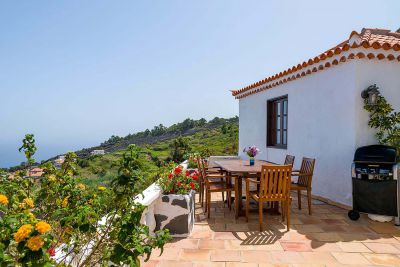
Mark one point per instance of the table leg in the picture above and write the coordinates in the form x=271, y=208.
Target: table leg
x=238, y=196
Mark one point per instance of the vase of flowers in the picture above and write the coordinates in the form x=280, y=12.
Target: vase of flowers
x=251, y=151
x=175, y=209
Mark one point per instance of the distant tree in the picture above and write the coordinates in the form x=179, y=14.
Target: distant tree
x=224, y=128
x=201, y=122
x=158, y=130
x=179, y=149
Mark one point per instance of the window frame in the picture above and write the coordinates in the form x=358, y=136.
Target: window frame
x=272, y=122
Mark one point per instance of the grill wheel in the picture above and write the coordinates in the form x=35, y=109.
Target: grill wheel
x=353, y=215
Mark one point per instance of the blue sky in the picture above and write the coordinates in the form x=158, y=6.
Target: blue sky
x=76, y=72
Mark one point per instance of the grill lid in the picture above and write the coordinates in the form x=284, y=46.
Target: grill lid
x=376, y=154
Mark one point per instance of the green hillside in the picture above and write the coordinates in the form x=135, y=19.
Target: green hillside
x=216, y=137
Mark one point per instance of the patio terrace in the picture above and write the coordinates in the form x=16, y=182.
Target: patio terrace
x=326, y=238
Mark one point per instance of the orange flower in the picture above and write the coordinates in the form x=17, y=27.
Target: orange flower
x=43, y=227
x=23, y=232
x=29, y=202
x=3, y=199
x=35, y=243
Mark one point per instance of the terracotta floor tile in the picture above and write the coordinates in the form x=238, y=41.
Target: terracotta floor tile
x=350, y=258
x=149, y=263
x=295, y=246
x=309, y=228
x=383, y=259
x=326, y=237
x=175, y=264
x=195, y=255
x=382, y=248
x=211, y=244
x=183, y=243
x=168, y=254
x=287, y=257
x=208, y=264
x=325, y=247
x=275, y=265
x=205, y=234
x=385, y=228
x=236, y=227
x=256, y=256
x=318, y=257
x=353, y=247
x=225, y=255
x=241, y=264
x=224, y=235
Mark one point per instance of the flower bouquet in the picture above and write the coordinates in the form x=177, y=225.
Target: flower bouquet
x=251, y=151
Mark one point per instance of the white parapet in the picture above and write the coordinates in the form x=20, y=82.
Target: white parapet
x=149, y=198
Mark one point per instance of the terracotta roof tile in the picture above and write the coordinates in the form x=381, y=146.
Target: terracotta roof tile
x=367, y=38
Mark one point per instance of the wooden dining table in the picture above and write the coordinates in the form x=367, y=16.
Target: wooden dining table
x=237, y=170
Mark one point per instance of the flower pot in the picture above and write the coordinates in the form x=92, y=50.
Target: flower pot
x=251, y=161
x=175, y=213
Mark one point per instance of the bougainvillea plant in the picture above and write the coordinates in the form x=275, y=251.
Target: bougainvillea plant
x=58, y=221
x=178, y=181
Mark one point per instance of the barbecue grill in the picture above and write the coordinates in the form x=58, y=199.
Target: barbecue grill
x=375, y=179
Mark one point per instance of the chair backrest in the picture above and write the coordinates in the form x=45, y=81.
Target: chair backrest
x=289, y=160
x=275, y=182
x=307, y=167
x=201, y=168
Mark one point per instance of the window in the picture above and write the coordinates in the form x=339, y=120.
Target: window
x=277, y=122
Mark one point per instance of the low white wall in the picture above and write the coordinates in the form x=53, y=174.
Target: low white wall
x=150, y=197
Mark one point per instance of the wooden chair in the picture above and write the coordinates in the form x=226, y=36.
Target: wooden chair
x=215, y=183
x=212, y=176
x=289, y=160
x=304, y=181
x=274, y=187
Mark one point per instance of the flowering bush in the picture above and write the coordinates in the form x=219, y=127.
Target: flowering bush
x=192, y=160
x=177, y=181
x=251, y=151
x=87, y=226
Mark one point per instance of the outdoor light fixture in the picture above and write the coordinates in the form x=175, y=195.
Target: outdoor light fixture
x=371, y=94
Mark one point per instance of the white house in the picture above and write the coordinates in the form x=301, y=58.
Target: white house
x=97, y=152
x=321, y=112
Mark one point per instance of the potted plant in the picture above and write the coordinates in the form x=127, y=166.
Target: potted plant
x=175, y=209
x=251, y=151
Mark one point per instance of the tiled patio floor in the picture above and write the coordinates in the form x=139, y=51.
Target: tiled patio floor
x=327, y=238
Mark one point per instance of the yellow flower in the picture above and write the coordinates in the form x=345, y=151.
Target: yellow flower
x=52, y=178
x=35, y=243
x=23, y=232
x=3, y=199
x=29, y=202
x=101, y=188
x=81, y=186
x=43, y=227
x=64, y=203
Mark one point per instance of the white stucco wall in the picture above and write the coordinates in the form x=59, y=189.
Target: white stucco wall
x=326, y=120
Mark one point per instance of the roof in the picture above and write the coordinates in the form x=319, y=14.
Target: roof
x=374, y=39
